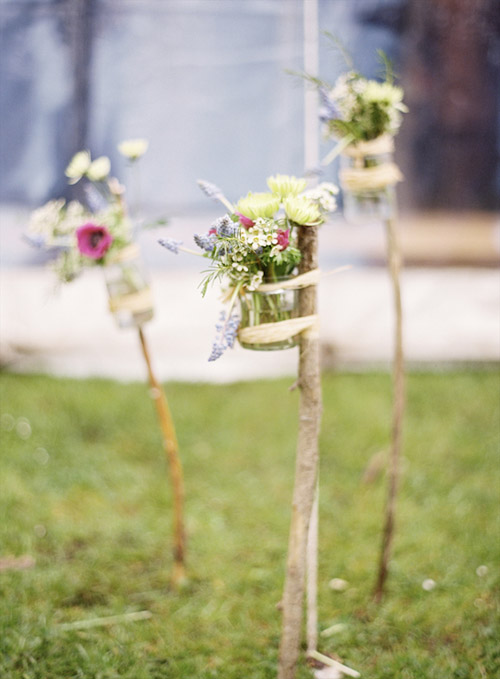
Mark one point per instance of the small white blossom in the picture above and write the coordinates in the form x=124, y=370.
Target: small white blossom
x=133, y=148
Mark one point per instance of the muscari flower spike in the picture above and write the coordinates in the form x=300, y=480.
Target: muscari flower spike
x=213, y=191
x=170, y=244
x=225, y=227
x=205, y=242
x=227, y=329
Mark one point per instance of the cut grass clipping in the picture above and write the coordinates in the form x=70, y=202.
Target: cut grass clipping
x=85, y=525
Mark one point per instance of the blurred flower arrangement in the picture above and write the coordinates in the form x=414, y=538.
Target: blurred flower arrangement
x=98, y=232
x=254, y=244
x=363, y=116
x=88, y=234
x=361, y=109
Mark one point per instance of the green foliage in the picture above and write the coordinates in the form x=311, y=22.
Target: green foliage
x=86, y=494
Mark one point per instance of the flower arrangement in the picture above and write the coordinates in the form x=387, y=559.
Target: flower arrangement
x=359, y=109
x=79, y=234
x=363, y=116
x=255, y=243
x=98, y=232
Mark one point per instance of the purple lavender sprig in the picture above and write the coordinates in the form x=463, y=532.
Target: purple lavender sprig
x=206, y=241
x=226, y=334
x=328, y=110
x=213, y=191
x=171, y=244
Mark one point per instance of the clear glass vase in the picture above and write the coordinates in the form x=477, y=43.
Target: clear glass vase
x=269, y=306
x=368, y=176
x=130, y=298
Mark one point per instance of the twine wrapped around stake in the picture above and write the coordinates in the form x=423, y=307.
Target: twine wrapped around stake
x=134, y=302
x=267, y=333
x=361, y=178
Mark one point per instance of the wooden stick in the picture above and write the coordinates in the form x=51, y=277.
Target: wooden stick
x=394, y=262
x=306, y=465
x=312, y=575
x=326, y=660
x=104, y=622
x=176, y=475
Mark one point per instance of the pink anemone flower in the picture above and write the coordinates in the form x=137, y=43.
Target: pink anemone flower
x=245, y=221
x=93, y=240
x=283, y=238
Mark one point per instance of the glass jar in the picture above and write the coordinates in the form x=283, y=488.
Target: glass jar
x=368, y=176
x=268, y=307
x=130, y=298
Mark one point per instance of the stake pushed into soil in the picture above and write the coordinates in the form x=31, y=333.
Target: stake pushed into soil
x=176, y=475
x=306, y=469
x=394, y=263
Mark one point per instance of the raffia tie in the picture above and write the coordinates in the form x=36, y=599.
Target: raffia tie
x=267, y=333
x=136, y=302
x=124, y=255
x=359, y=179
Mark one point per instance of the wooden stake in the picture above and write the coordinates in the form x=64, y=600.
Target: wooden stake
x=394, y=262
x=176, y=475
x=312, y=575
x=310, y=407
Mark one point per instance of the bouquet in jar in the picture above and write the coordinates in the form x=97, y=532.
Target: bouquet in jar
x=253, y=251
x=97, y=232
x=363, y=116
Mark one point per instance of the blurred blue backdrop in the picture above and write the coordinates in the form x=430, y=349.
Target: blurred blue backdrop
x=205, y=81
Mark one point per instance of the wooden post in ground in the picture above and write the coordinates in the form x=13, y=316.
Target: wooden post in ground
x=176, y=475
x=306, y=469
x=394, y=265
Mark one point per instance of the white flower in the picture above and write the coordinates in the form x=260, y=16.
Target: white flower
x=99, y=169
x=133, y=148
x=428, y=584
x=481, y=571
x=78, y=166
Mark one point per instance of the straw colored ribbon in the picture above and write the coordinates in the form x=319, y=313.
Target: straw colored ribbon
x=135, y=302
x=267, y=333
x=124, y=255
x=358, y=178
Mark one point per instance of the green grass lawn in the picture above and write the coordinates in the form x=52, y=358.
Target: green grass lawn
x=85, y=493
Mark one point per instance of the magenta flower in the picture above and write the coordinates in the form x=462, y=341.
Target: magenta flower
x=283, y=238
x=245, y=221
x=93, y=240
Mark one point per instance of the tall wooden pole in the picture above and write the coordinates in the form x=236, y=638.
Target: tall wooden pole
x=176, y=475
x=394, y=264
x=306, y=469
x=311, y=161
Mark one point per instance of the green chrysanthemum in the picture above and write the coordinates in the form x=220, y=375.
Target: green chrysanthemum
x=301, y=210
x=256, y=205
x=283, y=185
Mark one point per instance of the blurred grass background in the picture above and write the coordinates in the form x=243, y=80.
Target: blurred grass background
x=85, y=494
